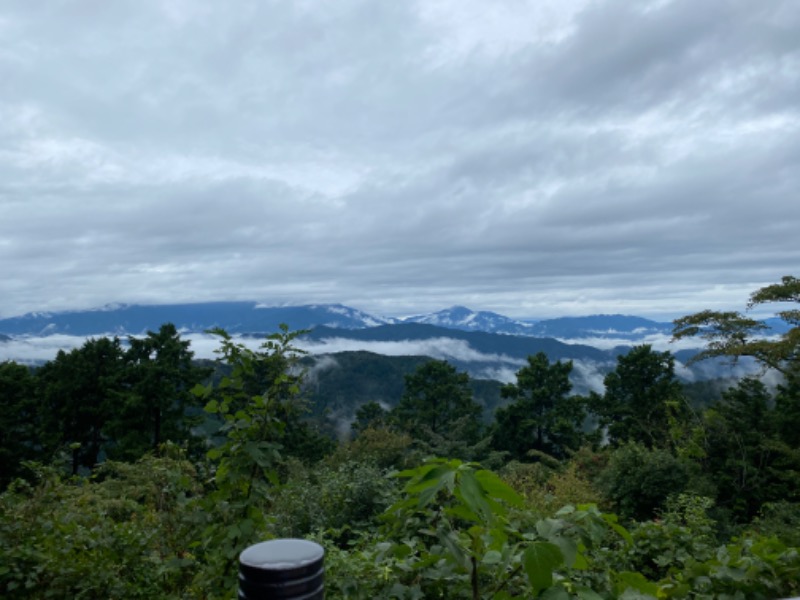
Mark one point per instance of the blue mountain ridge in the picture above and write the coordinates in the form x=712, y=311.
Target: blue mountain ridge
x=491, y=341
x=251, y=317
x=490, y=344
x=235, y=317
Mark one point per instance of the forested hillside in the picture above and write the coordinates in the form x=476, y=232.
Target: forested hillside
x=133, y=471
x=337, y=385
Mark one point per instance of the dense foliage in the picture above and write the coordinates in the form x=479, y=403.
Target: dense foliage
x=541, y=417
x=131, y=472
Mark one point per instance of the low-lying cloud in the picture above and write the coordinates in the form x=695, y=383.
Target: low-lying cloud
x=438, y=348
x=586, y=375
x=659, y=341
x=39, y=349
x=32, y=350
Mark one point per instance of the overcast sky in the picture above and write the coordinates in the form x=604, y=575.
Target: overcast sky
x=537, y=159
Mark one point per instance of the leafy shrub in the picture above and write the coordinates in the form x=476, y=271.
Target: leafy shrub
x=639, y=480
x=526, y=478
x=460, y=531
x=382, y=446
x=779, y=519
x=755, y=568
x=684, y=534
x=125, y=534
x=330, y=497
x=356, y=570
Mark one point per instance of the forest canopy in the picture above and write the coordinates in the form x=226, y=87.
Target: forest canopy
x=131, y=470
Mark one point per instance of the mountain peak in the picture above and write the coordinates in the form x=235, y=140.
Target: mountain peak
x=465, y=319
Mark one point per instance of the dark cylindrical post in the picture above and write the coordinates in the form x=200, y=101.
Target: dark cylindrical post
x=282, y=569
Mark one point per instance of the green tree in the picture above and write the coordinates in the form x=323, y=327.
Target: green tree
x=787, y=410
x=268, y=371
x=735, y=335
x=18, y=420
x=245, y=463
x=80, y=391
x=639, y=479
x=369, y=415
x=541, y=417
x=436, y=398
x=160, y=375
x=641, y=396
x=744, y=454
x=760, y=453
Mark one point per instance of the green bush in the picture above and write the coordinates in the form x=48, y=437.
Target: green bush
x=781, y=520
x=330, y=497
x=385, y=447
x=684, y=534
x=125, y=534
x=756, y=568
x=639, y=480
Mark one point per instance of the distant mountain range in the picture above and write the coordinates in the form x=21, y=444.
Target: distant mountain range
x=251, y=317
x=487, y=345
x=594, y=326
x=235, y=317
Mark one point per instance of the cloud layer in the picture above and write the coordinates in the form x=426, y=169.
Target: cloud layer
x=587, y=375
x=534, y=158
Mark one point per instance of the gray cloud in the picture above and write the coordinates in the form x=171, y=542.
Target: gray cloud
x=532, y=158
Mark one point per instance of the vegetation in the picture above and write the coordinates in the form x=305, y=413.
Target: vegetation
x=641, y=395
x=541, y=418
x=129, y=471
x=438, y=410
x=735, y=335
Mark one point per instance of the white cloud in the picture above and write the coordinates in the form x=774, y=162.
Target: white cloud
x=659, y=341
x=30, y=350
x=323, y=363
x=438, y=348
x=590, y=374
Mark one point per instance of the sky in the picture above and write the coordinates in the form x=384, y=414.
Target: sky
x=534, y=158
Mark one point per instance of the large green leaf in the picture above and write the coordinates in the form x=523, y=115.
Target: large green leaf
x=428, y=478
x=497, y=488
x=548, y=528
x=474, y=496
x=569, y=549
x=556, y=593
x=539, y=560
x=584, y=593
x=635, y=586
x=443, y=478
x=450, y=541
